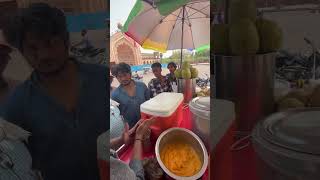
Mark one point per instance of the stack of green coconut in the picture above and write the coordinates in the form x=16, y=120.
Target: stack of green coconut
x=186, y=71
x=245, y=33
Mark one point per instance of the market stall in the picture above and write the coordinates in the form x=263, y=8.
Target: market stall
x=264, y=142
x=221, y=156
x=186, y=123
x=170, y=112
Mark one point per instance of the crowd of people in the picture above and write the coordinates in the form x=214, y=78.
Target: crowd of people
x=129, y=95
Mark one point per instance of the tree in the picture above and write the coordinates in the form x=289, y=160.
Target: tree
x=175, y=54
x=200, y=56
x=204, y=53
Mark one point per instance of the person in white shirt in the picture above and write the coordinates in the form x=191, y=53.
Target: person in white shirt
x=15, y=159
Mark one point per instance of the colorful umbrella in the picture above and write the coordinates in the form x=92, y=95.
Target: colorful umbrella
x=202, y=48
x=163, y=25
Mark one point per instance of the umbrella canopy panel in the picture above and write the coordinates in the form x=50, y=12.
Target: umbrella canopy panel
x=196, y=26
x=270, y=3
x=266, y=3
x=155, y=31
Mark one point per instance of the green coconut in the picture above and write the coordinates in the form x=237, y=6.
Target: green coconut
x=177, y=73
x=243, y=38
x=289, y=103
x=185, y=65
x=270, y=35
x=220, y=38
x=186, y=73
x=302, y=96
x=240, y=9
x=315, y=97
x=194, y=73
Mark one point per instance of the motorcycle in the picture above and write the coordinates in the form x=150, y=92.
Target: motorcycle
x=136, y=77
x=203, y=82
x=146, y=70
x=294, y=67
x=90, y=55
x=314, y=58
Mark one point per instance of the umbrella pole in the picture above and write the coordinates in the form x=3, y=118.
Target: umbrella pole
x=226, y=12
x=183, y=9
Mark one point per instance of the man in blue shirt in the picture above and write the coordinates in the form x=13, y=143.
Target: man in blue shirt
x=130, y=94
x=63, y=103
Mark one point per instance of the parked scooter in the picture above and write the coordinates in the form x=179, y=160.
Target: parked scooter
x=293, y=67
x=137, y=77
x=92, y=55
x=203, y=82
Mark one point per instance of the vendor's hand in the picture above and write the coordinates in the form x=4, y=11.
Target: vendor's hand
x=132, y=131
x=144, y=127
x=128, y=134
x=125, y=135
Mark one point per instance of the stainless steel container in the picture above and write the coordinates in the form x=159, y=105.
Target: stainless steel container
x=248, y=81
x=287, y=145
x=222, y=117
x=187, y=136
x=188, y=88
x=200, y=116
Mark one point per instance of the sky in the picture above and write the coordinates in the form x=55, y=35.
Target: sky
x=119, y=12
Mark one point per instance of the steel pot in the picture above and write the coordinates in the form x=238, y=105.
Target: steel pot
x=200, y=117
x=287, y=144
x=189, y=137
x=248, y=81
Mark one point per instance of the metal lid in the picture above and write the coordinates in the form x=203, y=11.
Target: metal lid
x=200, y=106
x=202, y=103
x=297, y=130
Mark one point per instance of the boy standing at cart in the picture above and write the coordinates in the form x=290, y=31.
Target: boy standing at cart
x=160, y=83
x=172, y=78
x=172, y=68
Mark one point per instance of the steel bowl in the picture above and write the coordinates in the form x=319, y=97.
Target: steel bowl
x=189, y=137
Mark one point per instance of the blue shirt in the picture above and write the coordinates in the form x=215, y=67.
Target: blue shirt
x=130, y=105
x=63, y=145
